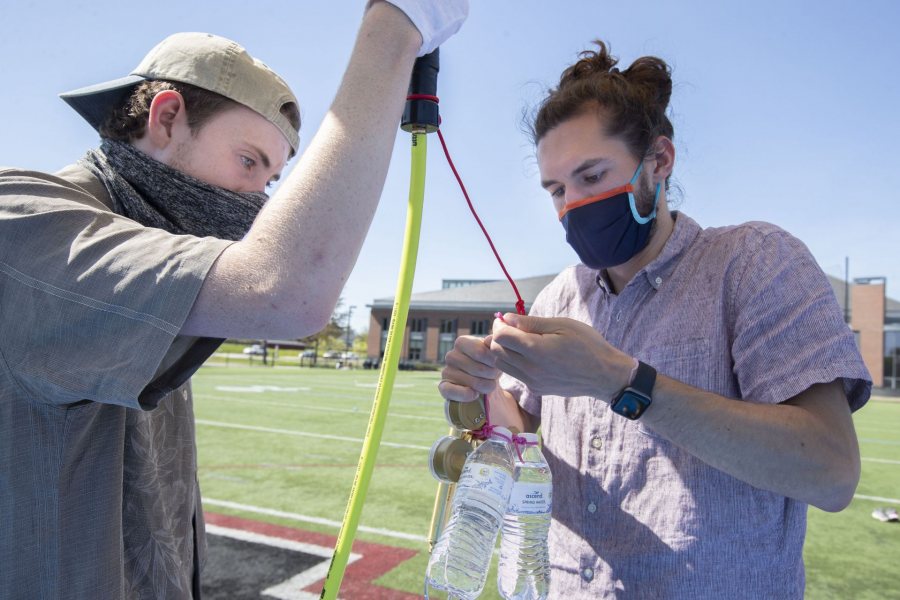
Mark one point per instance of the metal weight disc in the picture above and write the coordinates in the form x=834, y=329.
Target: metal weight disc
x=465, y=416
x=447, y=458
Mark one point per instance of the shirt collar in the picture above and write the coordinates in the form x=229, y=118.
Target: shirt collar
x=683, y=234
x=684, y=231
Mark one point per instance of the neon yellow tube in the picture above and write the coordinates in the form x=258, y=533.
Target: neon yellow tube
x=388, y=370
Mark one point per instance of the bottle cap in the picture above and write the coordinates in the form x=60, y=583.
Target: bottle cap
x=530, y=438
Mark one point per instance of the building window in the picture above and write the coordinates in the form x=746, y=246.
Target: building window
x=481, y=327
x=416, y=347
x=892, y=359
x=447, y=337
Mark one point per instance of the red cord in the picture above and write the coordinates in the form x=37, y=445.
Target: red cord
x=520, y=304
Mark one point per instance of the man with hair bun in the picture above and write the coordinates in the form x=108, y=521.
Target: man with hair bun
x=693, y=386
x=121, y=274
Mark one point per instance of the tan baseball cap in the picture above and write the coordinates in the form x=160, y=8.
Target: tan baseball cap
x=207, y=61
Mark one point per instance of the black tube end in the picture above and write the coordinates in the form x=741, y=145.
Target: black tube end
x=421, y=113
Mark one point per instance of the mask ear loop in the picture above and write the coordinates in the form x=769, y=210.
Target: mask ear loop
x=631, y=203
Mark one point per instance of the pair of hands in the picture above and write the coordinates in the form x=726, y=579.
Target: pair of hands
x=557, y=356
x=436, y=20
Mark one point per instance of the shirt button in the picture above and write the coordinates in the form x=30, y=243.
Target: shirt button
x=596, y=443
x=592, y=508
x=659, y=281
x=587, y=573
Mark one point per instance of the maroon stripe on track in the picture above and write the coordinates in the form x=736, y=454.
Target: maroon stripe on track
x=376, y=560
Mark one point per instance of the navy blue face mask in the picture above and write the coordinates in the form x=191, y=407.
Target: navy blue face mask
x=606, y=230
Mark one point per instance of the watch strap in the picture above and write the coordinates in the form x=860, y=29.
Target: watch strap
x=633, y=399
x=644, y=379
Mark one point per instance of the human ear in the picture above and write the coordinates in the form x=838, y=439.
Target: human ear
x=664, y=155
x=166, y=114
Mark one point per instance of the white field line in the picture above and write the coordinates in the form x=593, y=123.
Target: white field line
x=877, y=499
x=313, y=407
x=414, y=400
x=308, y=519
x=339, y=393
x=882, y=460
x=321, y=436
x=291, y=589
x=880, y=441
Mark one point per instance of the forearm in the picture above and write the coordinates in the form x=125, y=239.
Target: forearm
x=285, y=277
x=805, y=448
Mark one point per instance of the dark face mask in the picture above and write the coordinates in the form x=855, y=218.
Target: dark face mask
x=606, y=230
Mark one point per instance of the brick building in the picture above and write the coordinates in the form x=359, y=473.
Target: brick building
x=467, y=307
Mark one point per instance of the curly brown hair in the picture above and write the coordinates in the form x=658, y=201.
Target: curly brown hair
x=633, y=102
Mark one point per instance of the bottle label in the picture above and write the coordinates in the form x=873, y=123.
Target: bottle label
x=487, y=478
x=531, y=499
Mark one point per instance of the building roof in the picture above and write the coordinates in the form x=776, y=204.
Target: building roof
x=491, y=296
x=494, y=295
x=891, y=306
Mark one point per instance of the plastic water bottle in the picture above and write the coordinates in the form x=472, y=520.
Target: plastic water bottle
x=462, y=555
x=523, y=572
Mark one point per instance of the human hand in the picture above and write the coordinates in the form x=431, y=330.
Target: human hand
x=559, y=356
x=436, y=20
x=469, y=370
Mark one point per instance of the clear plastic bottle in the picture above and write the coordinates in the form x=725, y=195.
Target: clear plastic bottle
x=523, y=572
x=462, y=555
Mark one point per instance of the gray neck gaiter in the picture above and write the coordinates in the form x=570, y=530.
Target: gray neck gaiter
x=156, y=195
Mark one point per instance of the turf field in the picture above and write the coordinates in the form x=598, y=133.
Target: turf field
x=281, y=445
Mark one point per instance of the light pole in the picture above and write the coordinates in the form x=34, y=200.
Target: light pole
x=349, y=315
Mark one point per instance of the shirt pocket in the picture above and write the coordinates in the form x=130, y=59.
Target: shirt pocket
x=686, y=361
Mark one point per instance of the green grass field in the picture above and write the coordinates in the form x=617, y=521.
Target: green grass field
x=288, y=439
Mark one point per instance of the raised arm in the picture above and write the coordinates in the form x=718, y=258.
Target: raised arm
x=285, y=276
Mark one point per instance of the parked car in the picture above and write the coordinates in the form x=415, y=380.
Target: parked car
x=255, y=350
x=308, y=354
x=332, y=354
x=349, y=355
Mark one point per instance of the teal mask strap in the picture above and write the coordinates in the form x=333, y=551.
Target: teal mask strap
x=634, y=212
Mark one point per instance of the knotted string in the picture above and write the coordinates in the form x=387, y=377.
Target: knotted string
x=487, y=430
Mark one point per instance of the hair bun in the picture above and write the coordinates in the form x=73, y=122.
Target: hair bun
x=633, y=101
x=655, y=76
x=599, y=62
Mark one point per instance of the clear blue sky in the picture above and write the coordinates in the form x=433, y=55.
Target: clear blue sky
x=784, y=112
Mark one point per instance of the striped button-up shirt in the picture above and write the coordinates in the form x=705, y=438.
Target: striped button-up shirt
x=741, y=311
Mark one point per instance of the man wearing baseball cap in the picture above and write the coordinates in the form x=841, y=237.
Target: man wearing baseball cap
x=120, y=275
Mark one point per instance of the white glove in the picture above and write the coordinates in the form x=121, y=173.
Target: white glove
x=436, y=20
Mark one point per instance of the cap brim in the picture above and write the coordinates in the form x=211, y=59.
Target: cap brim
x=95, y=102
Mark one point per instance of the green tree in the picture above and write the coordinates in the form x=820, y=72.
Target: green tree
x=331, y=336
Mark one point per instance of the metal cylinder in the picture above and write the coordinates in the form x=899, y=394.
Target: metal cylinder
x=447, y=458
x=465, y=416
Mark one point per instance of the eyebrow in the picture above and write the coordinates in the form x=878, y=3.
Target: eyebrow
x=591, y=162
x=262, y=155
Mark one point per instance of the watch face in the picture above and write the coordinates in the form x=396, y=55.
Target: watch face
x=630, y=405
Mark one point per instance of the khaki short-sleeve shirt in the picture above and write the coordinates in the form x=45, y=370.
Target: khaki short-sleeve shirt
x=98, y=487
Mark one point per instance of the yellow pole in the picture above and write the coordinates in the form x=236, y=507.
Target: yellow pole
x=388, y=370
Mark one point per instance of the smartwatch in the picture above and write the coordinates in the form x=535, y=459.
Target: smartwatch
x=633, y=400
